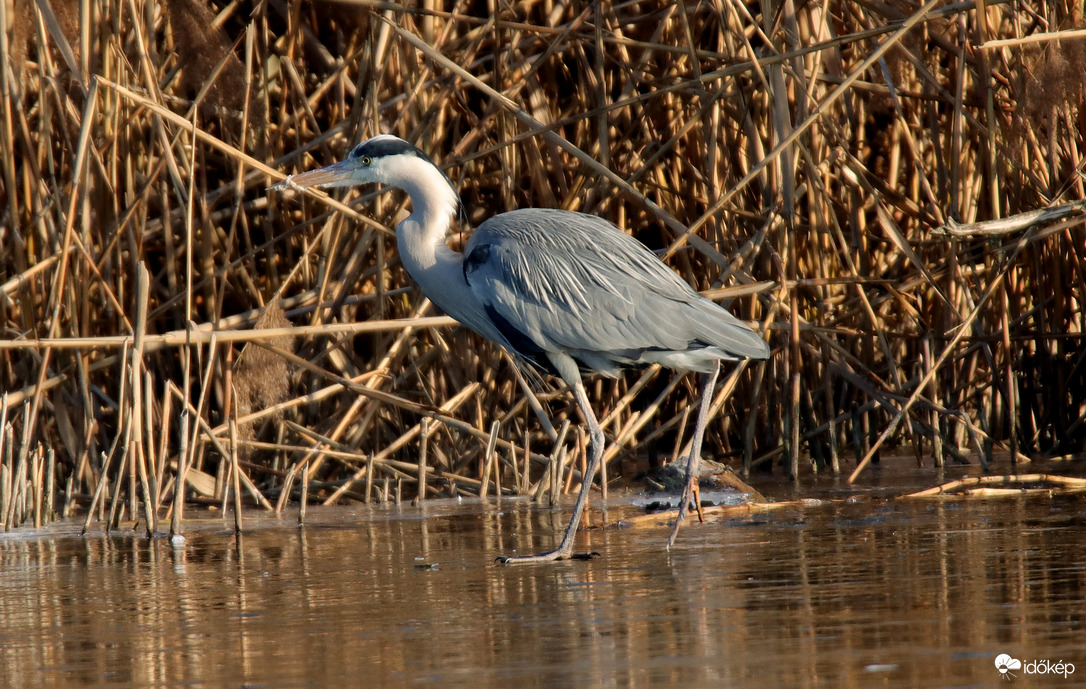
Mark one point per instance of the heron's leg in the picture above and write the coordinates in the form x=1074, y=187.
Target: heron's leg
x=708, y=383
x=697, y=503
x=595, y=454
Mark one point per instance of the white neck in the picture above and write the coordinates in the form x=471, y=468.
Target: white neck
x=420, y=238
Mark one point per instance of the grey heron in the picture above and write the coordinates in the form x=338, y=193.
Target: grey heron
x=567, y=292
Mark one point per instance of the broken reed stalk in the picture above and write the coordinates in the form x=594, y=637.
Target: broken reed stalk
x=50, y=484
x=7, y=447
x=284, y=491
x=899, y=214
x=1064, y=484
x=138, y=446
x=369, y=478
x=424, y=456
x=489, y=457
x=549, y=482
x=235, y=476
x=303, y=500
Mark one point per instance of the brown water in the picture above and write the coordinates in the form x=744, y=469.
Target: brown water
x=874, y=592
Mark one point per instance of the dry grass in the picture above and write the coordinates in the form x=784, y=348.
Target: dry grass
x=797, y=163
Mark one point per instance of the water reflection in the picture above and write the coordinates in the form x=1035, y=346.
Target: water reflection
x=886, y=593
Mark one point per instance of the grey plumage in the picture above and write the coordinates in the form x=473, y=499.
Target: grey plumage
x=566, y=291
x=576, y=283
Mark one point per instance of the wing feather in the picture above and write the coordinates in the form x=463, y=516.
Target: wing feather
x=575, y=283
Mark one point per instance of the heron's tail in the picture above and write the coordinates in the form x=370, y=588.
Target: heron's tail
x=719, y=328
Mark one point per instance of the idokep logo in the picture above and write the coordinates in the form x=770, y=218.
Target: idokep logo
x=1005, y=663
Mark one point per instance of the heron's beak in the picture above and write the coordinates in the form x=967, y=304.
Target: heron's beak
x=335, y=175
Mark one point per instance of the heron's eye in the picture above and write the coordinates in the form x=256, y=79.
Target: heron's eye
x=366, y=161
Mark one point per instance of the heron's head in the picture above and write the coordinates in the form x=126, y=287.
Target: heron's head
x=385, y=159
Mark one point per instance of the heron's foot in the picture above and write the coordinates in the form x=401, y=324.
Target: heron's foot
x=553, y=556
x=691, y=491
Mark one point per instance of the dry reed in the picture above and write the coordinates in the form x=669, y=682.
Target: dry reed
x=836, y=166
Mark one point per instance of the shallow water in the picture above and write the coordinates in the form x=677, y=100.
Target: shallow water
x=874, y=592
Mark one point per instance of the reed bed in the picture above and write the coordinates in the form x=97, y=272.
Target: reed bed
x=891, y=193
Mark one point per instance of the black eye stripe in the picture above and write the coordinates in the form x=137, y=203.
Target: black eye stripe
x=383, y=147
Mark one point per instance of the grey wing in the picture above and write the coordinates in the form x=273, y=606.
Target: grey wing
x=558, y=281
